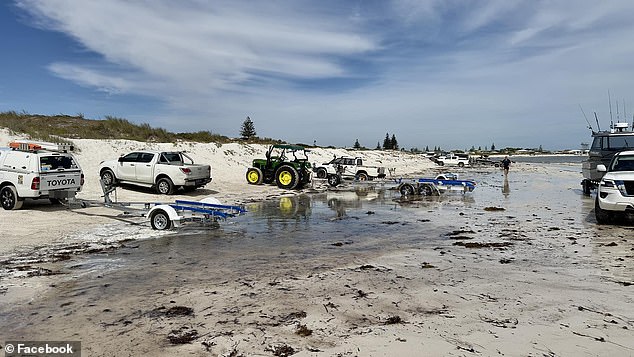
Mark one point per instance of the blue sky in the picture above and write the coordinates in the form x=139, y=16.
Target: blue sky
x=449, y=73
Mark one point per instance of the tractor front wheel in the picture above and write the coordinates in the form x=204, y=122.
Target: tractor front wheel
x=287, y=177
x=254, y=176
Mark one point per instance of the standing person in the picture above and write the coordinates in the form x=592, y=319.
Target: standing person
x=506, y=163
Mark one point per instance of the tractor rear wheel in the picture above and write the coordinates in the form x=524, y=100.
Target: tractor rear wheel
x=287, y=177
x=254, y=176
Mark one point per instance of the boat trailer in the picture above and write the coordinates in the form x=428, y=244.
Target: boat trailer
x=162, y=216
x=436, y=186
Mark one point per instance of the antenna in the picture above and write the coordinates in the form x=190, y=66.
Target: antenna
x=597, y=119
x=610, y=104
x=584, y=115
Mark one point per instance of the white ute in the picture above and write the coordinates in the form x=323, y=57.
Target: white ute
x=163, y=170
x=615, y=194
x=38, y=170
x=350, y=167
x=453, y=160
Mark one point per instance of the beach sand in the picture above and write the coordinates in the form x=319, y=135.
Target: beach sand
x=524, y=271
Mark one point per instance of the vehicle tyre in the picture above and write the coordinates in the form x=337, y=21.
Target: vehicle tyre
x=160, y=220
x=602, y=216
x=362, y=176
x=254, y=176
x=334, y=180
x=286, y=177
x=108, y=178
x=321, y=173
x=586, y=187
x=441, y=163
x=461, y=164
x=10, y=199
x=426, y=190
x=406, y=189
x=164, y=186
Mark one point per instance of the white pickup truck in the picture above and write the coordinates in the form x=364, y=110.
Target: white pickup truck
x=349, y=167
x=37, y=170
x=453, y=160
x=163, y=170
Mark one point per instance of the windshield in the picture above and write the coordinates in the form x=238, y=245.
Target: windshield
x=48, y=163
x=622, y=163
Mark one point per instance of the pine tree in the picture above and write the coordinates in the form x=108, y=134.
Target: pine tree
x=426, y=148
x=493, y=147
x=357, y=145
x=378, y=146
x=394, y=143
x=387, y=143
x=248, y=129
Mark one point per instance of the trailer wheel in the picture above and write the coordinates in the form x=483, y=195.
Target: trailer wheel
x=334, y=180
x=586, y=187
x=164, y=186
x=461, y=164
x=362, y=176
x=9, y=198
x=406, y=189
x=160, y=220
x=426, y=190
x=321, y=173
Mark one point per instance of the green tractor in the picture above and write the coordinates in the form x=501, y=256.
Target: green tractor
x=286, y=165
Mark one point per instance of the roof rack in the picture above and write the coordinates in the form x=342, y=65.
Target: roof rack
x=35, y=146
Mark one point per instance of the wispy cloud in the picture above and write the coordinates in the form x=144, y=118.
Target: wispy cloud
x=490, y=68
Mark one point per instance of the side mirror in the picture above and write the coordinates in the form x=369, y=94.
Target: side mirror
x=601, y=168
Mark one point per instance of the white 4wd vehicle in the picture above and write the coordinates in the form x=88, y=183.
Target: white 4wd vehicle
x=349, y=167
x=453, y=160
x=615, y=194
x=163, y=170
x=36, y=170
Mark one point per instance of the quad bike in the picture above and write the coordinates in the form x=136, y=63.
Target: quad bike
x=285, y=165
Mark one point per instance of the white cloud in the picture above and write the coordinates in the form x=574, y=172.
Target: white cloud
x=493, y=69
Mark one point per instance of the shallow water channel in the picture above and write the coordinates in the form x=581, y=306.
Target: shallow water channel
x=309, y=233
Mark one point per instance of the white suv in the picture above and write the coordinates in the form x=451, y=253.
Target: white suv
x=615, y=195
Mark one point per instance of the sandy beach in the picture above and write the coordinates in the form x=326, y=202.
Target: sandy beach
x=518, y=268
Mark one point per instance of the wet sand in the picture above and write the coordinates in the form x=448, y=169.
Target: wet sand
x=518, y=268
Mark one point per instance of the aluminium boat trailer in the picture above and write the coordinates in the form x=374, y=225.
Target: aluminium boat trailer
x=442, y=183
x=436, y=186
x=162, y=216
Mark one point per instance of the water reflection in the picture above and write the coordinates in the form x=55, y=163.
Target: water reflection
x=506, y=189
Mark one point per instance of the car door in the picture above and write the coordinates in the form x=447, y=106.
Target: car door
x=144, y=168
x=127, y=166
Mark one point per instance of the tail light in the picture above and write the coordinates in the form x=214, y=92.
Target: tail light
x=82, y=180
x=35, y=184
x=186, y=170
